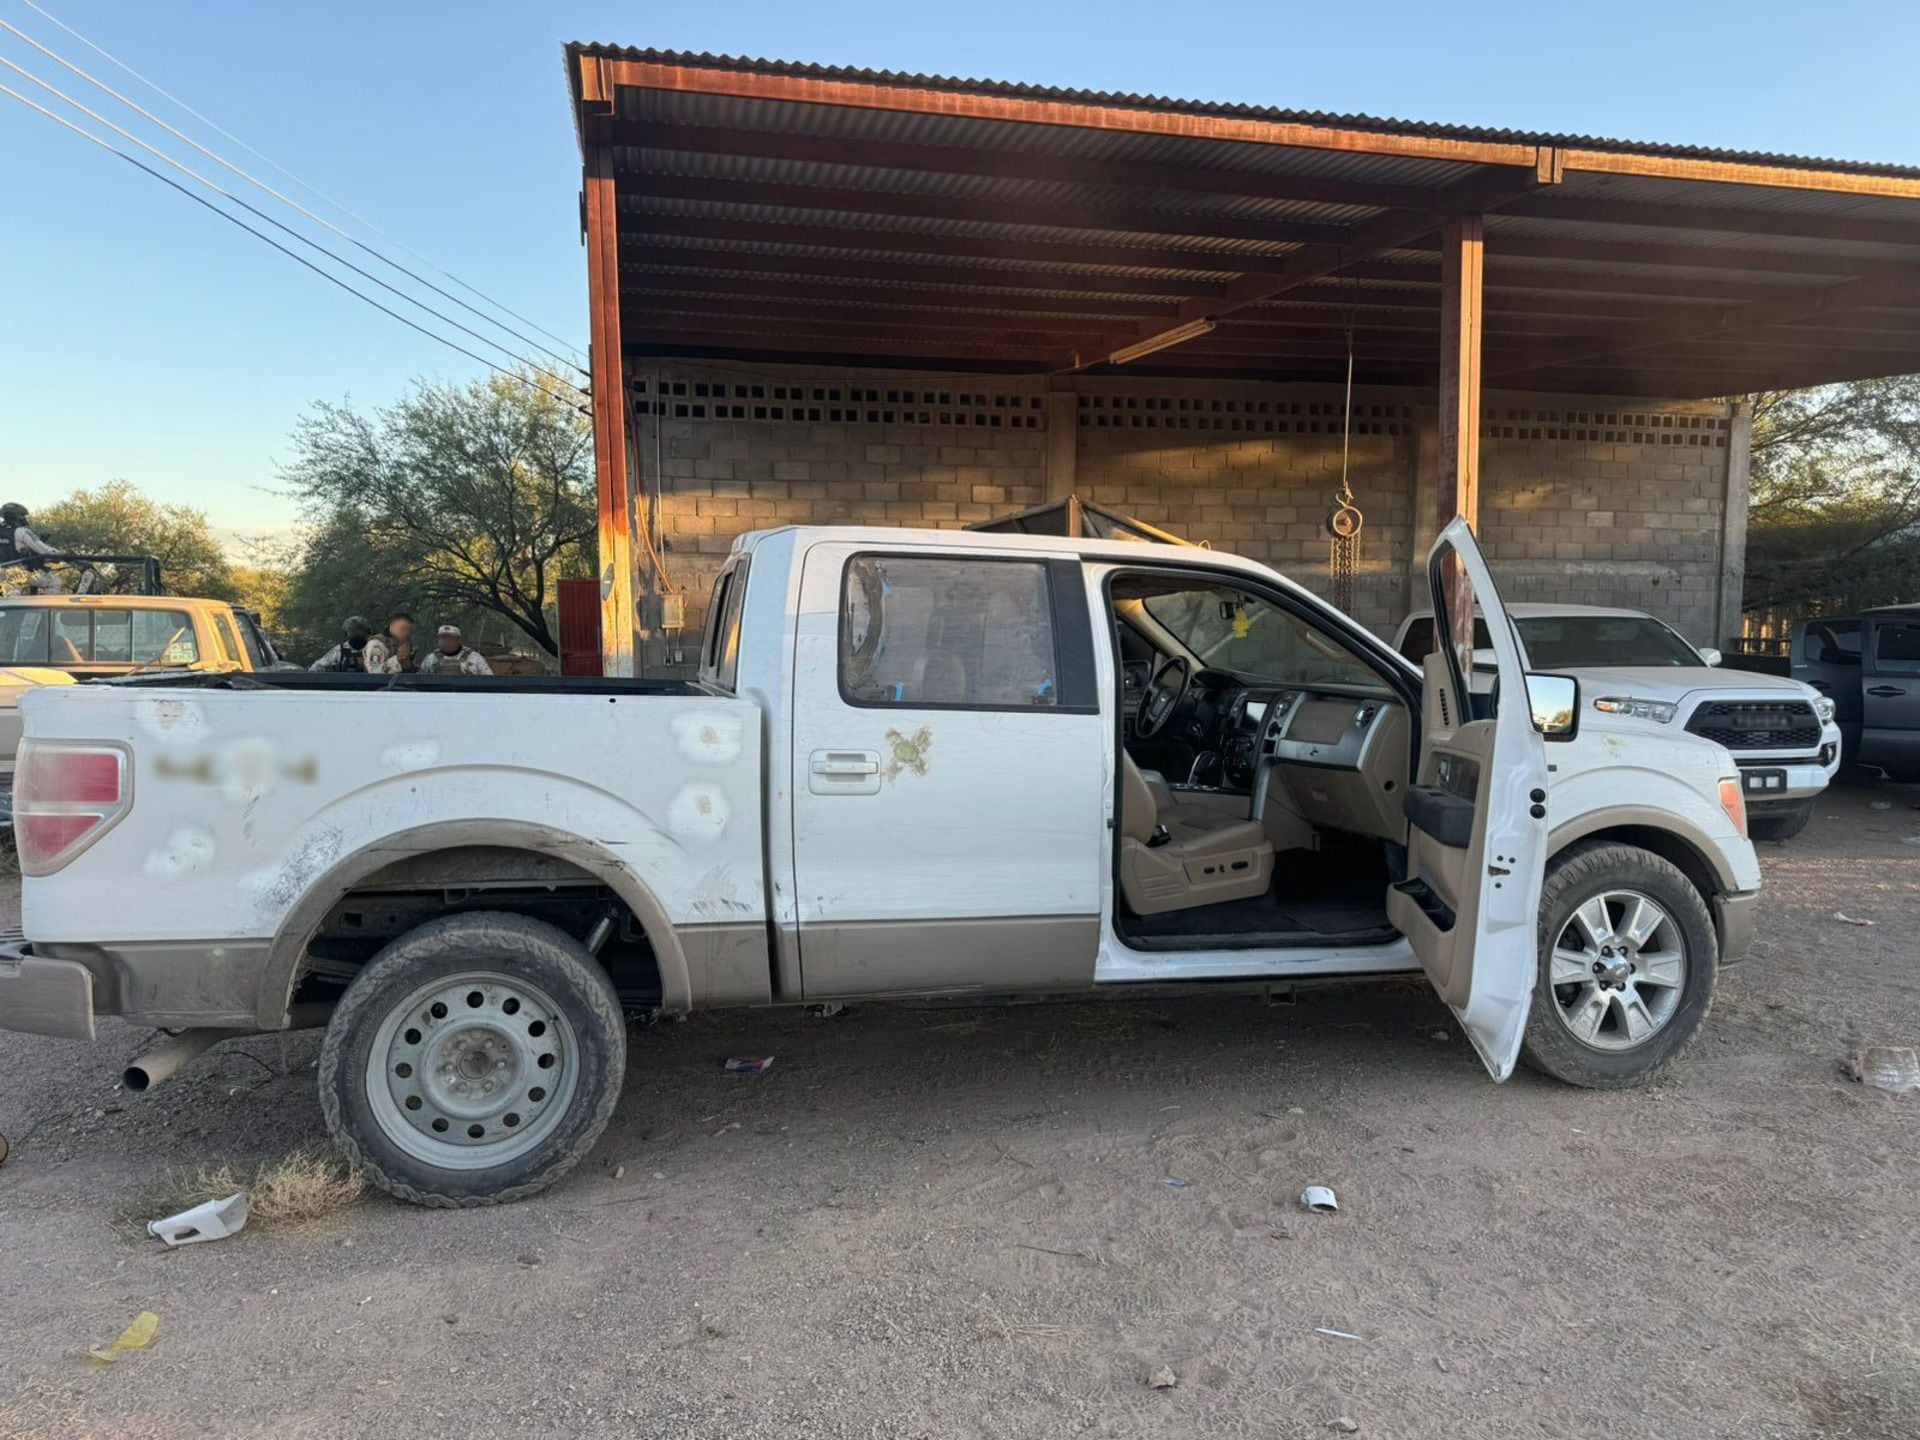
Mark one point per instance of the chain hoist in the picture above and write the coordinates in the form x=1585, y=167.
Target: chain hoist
x=1343, y=525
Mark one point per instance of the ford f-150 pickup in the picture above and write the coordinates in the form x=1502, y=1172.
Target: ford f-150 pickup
x=915, y=763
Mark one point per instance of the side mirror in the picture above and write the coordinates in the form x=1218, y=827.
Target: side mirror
x=1710, y=655
x=1555, y=702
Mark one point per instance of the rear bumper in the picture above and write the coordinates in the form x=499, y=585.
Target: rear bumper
x=42, y=996
x=1733, y=917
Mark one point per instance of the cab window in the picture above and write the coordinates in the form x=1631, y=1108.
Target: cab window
x=920, y=631
x=250, y=637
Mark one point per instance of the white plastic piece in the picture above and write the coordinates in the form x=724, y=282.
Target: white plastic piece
x=214, y=1220
x=1320, y=1199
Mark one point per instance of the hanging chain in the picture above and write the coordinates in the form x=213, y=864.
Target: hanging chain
x=1343, y=525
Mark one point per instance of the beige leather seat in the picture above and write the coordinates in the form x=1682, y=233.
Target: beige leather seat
x=1206, y=856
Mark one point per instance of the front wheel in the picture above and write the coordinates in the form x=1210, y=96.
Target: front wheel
x=474, y=1060
x=1628, y=962
x=1781, y=824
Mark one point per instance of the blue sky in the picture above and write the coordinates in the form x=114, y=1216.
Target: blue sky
x=141, y=338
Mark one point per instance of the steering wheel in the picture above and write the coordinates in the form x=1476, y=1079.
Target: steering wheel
x=1163, y=697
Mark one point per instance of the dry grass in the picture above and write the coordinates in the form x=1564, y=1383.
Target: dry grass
x=297, y=1188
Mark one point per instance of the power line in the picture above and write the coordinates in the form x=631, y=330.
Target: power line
x=269, y=240
x=268, y=189
x=278, y=225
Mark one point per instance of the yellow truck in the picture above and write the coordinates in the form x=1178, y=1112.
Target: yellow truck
x=64, y=639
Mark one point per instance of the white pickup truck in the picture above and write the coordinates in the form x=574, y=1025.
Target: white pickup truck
x=1638, y=673
x=915, y=763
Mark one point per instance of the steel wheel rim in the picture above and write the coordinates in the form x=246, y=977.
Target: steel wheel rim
x=472, y=1070
x=1617, y=970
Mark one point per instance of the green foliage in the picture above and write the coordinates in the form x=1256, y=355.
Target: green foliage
x=116, y=519
x=461, y=503
x=1834, y=518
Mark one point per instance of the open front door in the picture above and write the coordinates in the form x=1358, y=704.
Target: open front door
x=1477, y=833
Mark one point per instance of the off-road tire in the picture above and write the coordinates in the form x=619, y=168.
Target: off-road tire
x=512, y=944
x=1574, y=877
x=1779, y=824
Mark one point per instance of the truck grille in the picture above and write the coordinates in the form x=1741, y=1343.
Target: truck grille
x=1757, y=724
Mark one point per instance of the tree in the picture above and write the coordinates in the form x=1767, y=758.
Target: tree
x=1834, y=514
x=474, y=498
x=116, y=519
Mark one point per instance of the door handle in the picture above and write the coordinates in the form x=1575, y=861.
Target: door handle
x=1885, y=691
x=844, y=772
x=846, y=765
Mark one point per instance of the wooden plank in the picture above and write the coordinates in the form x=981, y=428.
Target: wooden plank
x=1741, y=172
x=1462, y=267
x=1079, y=115
x=611, y=480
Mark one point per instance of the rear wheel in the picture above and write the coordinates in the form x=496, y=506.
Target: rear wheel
x=474, y=1060
x=1628, y=963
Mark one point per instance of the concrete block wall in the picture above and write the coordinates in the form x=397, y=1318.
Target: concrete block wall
x=1582, y=499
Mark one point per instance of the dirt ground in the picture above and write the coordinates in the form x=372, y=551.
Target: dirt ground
x=951, y=1222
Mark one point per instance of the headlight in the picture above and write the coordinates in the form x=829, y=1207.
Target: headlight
x=1659, y=711
x=1823, y=707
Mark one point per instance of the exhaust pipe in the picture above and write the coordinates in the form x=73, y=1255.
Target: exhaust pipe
x=165, y=1059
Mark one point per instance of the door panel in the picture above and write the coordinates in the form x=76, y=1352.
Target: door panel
x=1890, y=700
x=1476, y=841
x=948, y=745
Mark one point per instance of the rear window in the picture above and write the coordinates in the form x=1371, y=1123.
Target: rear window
x=86, y=636
x=23, y=636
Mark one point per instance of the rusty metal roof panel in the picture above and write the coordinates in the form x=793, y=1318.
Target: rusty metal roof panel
x=1384, y=125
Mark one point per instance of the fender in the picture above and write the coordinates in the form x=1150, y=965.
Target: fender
x=1647, y=817
x=281, y=973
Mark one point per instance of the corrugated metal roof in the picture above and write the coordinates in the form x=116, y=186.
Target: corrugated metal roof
x=1384, y=125
x=758, y=223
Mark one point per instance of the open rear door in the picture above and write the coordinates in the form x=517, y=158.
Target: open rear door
x=1477, y=832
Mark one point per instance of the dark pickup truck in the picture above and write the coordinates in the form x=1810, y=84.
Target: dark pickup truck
x=1870, y=664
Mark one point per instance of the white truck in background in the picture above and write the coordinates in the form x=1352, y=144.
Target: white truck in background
x=915, y=763
x=1637, y=673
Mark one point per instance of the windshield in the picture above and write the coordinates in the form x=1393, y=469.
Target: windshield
x=1556, y=642
x=1253, y=640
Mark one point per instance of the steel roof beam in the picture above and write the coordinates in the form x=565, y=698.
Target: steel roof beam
x=969, y=209
x=1486, y=189
x=1723, y=219
x=995, y=164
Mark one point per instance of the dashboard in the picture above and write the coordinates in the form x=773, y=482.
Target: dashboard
x=1340, y=754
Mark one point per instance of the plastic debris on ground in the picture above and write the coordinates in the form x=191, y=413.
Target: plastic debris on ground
x=1346, y=1425
x=1173, y=1183
x=1880, y=805
x=215, y=1220
x=137, y=1336
x=1894, y=1068
x=1320, y=1199
x=1335, y=1334
x=1163, y=1378
x=1846, y=919
x=749, y=1064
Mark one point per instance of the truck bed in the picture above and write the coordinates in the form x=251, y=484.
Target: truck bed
x=256, y=797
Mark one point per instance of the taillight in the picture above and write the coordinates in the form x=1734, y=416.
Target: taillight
x=66, y=795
